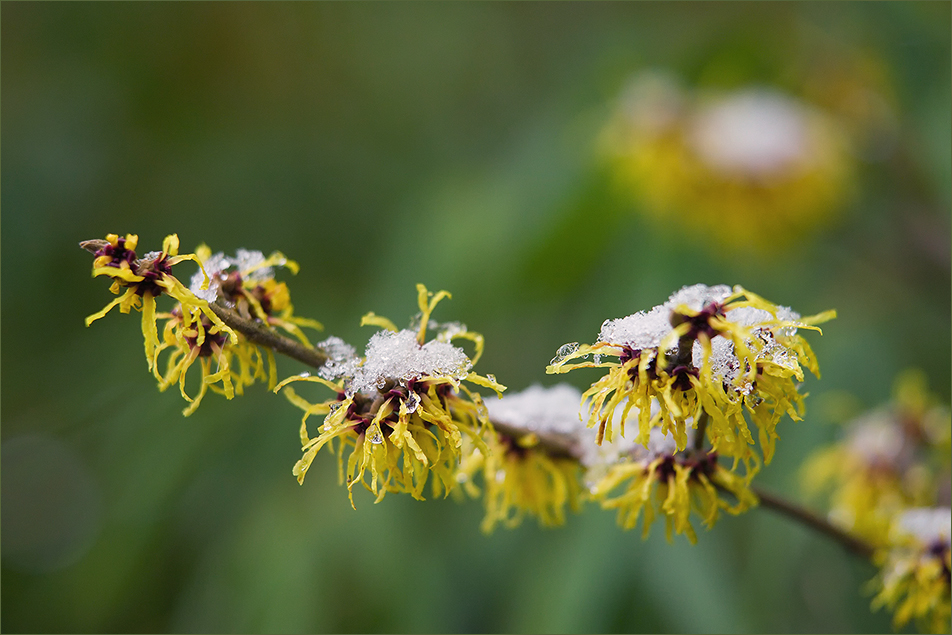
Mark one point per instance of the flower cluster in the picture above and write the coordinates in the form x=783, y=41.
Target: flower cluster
x=542, y=459
x=891, y=459
x=139, y=281
x=889, y=483
x=724, y=353
x=692, y=371
x=193, y=332
x=661, y=480
x=753, y=166
x=699, y=373
x=402, y=407
x=244, y=283
x=914, y=580
x=541, y=454
x=521, y=474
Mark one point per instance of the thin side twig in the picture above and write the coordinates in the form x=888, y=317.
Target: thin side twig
x=557, y=446
x=804, y=516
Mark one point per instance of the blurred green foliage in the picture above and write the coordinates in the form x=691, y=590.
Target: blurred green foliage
x=381, y=145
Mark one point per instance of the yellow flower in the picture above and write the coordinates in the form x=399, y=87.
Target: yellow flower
x=519, y=480
x=749, y=167
x=889, y=460
x=244, y=282
x=661, y=480
x=190, y=342
x=521, y=476
x=914, y=579
x=402, y=408
x=723, y=353
x=143, y=280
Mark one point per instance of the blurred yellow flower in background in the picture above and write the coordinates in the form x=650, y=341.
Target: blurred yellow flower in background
x=750, y=167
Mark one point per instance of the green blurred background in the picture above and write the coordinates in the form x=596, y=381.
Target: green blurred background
x=381, y=145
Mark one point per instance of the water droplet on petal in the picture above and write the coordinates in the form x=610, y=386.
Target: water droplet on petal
x=375, y=437
x=564, y=351
x=413, y=400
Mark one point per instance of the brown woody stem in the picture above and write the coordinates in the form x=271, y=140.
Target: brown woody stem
x=260, y=334
x=701, y=429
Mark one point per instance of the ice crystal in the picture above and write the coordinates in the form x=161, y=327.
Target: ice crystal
x=342, y=360
x=597, y=459
x=214, y=267
x=399, y=357
x=553, y=409
x=697, y=296
x=927, y=524
x=877, y=438
x=413, y=402
x=659, y=444
x=247, y=262
x=646, y=329
x=446, y=331
x=247, y=259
